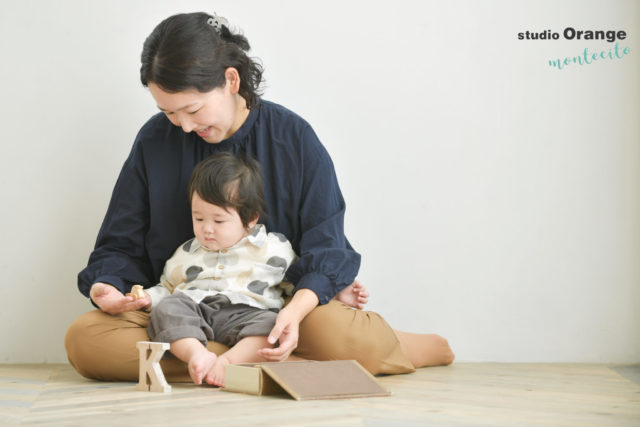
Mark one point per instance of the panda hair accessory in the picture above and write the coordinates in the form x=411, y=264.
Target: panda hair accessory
x=217, y=22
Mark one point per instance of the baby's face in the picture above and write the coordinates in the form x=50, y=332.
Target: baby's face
x=215, y=227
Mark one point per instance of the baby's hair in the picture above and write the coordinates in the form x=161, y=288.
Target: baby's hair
x=186, y=52
x=229, y=181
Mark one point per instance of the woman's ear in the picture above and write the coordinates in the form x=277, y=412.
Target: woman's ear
x=233, y=80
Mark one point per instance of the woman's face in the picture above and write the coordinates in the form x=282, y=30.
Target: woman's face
x=214, y=115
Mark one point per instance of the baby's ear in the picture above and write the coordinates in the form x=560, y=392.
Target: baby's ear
x=252, y=223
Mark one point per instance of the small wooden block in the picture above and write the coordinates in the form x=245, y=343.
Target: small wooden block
x=150, y=355
x=137, y=292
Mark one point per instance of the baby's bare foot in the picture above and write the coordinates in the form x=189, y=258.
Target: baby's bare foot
x=216, y=373
x=201, y=363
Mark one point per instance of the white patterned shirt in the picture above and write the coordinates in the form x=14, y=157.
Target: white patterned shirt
x=250, y=272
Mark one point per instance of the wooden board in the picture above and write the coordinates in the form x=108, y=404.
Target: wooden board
x=307, y=380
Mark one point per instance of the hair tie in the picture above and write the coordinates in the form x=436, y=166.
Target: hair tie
x=217, y=22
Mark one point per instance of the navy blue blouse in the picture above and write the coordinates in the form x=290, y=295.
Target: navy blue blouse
x=149, y=214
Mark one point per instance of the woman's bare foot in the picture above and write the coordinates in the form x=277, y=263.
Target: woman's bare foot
x=200, y=364
x=215, y=376
x=425, y=349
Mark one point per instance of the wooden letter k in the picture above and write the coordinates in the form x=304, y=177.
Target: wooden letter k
x=150, y=370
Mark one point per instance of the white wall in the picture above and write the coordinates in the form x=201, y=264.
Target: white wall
x=495, y=200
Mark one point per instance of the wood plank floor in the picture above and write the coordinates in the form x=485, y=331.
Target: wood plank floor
x=462, y=394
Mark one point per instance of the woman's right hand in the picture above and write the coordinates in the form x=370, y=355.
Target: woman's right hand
x=111, y=301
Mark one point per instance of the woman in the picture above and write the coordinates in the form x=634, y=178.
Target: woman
x=207, y=89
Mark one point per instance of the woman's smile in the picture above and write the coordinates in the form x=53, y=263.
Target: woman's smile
x=205, y=132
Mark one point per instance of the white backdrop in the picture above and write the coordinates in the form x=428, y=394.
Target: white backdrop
x=495, y=199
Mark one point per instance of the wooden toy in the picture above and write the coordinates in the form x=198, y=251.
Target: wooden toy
x=151, y=375
x=137, y=292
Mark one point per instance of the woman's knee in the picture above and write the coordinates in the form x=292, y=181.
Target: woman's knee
x=323, y=332
x=336, y=332
x=102, y=346
x=340, y=332
x=75, y=343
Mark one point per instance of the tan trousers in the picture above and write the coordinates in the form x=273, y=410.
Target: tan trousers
x=103, y=346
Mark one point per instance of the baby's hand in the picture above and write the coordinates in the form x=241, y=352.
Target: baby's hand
x=355, y=295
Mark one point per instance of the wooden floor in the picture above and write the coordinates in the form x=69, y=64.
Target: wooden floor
x=462, y=394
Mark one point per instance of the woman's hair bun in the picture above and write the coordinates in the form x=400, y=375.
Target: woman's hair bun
x=221, y=25
x=237, y=39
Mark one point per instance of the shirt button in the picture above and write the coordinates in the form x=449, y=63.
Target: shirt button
x=224, y=251
x=221, y=267
x=216, y=278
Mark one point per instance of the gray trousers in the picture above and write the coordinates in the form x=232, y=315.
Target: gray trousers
x=215, y=319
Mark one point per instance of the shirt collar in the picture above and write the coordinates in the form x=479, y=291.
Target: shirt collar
x=257, y=235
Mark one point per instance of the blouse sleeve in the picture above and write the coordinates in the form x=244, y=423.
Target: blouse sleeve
x=119, y=257
x=327, y=262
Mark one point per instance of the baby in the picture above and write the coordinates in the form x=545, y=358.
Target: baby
x=226, y=284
